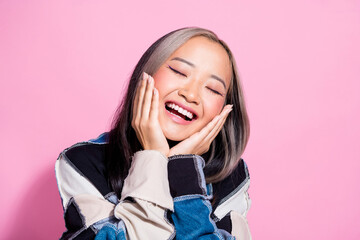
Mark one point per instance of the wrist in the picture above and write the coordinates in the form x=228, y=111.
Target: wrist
x=163, y=151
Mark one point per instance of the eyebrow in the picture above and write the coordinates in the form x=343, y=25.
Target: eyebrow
x=193, y=65
x=183, y=60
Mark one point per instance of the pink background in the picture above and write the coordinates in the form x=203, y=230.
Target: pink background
x=63, y=65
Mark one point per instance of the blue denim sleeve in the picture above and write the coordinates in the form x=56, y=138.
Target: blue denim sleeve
x=192, y=208
x=110, y=232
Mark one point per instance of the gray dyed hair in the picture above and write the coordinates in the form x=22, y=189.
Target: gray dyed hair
x=226, y=149
x=235, y=133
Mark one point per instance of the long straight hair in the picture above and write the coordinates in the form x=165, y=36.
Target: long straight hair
x=226, y=149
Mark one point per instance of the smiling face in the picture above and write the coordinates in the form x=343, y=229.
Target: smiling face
x=192, y=85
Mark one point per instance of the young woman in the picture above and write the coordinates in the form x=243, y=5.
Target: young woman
x=171, y=165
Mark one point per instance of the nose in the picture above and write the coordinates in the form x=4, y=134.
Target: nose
x=190, y=92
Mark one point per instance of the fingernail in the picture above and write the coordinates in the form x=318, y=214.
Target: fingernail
x=228, y=107
x=150, y=79
x=227, y=111
x=155, y=91
x=145, y=75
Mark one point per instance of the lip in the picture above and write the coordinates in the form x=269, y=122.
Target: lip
x=178, y=119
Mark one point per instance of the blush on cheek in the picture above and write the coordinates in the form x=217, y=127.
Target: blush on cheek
x=162, y=77
x=213, y=108
x=219, y=105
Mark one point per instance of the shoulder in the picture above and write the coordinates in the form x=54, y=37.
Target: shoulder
x=87, y=155
x=231, y=193
x=92, y=151
x=88, y=160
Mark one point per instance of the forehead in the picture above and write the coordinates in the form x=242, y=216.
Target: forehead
x=207, y=56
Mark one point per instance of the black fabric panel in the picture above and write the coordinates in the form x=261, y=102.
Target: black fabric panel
x=225, y=223
x=66, y=235
x=73, y=220
x=74, y=223
x=89, y=159
x=168, y=217
x=225, y=187
x=183, y=176
x=87, y=234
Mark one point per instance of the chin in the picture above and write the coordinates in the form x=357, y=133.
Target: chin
x=174, y=136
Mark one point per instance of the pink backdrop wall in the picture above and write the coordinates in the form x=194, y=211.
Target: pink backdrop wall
x=63, y=65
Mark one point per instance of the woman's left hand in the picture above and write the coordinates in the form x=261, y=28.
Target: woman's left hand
x=199, y=143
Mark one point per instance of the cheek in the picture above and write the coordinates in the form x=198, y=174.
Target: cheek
x=162, y=81
x=213, y=108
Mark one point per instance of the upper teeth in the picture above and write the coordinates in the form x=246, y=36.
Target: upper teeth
x=180, y=110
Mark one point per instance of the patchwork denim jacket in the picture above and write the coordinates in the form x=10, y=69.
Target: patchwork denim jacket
x=162, y=198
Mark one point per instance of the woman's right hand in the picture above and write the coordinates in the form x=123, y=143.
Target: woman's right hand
x=145, y=117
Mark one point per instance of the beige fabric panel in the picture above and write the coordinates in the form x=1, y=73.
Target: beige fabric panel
x=240, y=227
x=148, y=179
x=144, y=220
x=93, y=208
x=71, y=183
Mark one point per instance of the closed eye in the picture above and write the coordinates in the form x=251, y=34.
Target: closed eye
x=214, y=91
x=176, y=71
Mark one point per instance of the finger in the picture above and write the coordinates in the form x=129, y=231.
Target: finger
x=147, y=98
x=223, y=116
x=138, y=87
x=212, y=135
x=226, y=109
x=154, y=111
x=207, y=129
x=215, y=125
x=139, y=95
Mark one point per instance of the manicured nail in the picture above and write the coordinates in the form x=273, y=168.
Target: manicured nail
x=150, y=79
x=227, y=107
x=227, y=110
x=155, y=91
x=145, y=75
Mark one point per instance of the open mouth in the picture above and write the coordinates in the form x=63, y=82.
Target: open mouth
x=180, y=112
